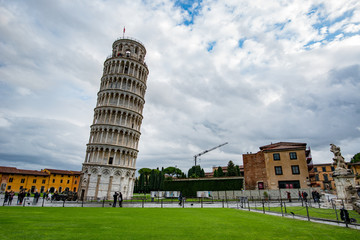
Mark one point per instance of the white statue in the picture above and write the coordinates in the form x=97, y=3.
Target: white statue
x=338, y=159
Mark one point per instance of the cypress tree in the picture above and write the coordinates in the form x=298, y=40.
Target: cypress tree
x=231, y=170
x=220, y=172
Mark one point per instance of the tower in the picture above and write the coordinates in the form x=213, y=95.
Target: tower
x=112, y=150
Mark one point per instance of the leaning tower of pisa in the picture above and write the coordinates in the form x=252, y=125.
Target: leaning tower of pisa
x=112, y=150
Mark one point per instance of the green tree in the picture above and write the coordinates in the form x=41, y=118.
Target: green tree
x=145, y=171
x=173, y=171
x=215, y=173
x=220, y=172
x=355, y=158
x=231, y=170
x=238, y=172
x=195, y=172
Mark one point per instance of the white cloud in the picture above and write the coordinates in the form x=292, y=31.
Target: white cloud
x=290, y=81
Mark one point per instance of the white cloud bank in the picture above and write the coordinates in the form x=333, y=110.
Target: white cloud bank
x=247, y=73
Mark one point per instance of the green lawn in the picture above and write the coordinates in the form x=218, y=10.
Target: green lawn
x=313, y=212
x=154, y=223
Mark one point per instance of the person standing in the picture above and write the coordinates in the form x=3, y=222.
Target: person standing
x=11, y=197
x=288, y=196
x=6, y=198
x=120, y=199
x=115, y=198
x=305, y=195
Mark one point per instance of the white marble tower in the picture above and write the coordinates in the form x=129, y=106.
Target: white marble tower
x=112, y=150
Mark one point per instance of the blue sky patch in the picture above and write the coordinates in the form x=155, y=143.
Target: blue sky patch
x=241, y=42
x=323, y=21
x=211, y=45
x=193, y=7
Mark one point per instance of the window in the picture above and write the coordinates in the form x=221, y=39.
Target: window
x=74, y=189
x=9, y=187
x=34, y=181
x=315, y=169
x=54, y=175
x=326, y=178
x=324, y=169
x=276, y=156
x=295, y=169
x=317, y=177
x=21, y=187
x=278, y=170
x=75, y=182
x=22, y=180
x=43, y=181
x=111, y=160
x=42, y=189
x=60, y=189
x=68, y=181
x=11, y=179
x=332, y=169
x=62, y=175
x=293, y=155
x=61, y=181
x=53, y=180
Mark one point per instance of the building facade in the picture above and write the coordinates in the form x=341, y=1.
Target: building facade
x=112, y=150
x=278, y=165
x=46, y=180
x=321, y=176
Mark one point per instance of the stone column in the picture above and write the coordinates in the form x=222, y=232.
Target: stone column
x=97, y=187
x=109, y=187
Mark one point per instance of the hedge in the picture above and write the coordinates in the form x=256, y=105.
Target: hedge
x=189, y=188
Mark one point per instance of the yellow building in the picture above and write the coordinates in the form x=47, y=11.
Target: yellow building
x=13, y=179
x=278, y=165
x=321, y=176
x=62, y=180
x=355, y=168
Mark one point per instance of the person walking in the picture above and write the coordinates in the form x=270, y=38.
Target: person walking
x=115, y=196
x=180, y=199
x=120, y=199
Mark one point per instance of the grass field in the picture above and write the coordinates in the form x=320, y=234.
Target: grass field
x=313, y=212
x=151, y=223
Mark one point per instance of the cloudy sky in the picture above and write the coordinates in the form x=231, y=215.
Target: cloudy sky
x=244, y=72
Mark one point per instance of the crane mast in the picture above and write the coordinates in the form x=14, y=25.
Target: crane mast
x=206, y=151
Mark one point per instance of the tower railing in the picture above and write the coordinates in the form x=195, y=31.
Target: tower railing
x=130, y=38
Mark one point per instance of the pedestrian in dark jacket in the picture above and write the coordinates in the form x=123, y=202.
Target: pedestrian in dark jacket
x=115, y=196
x=6, y=198
x=120, y=199
x=288, y=196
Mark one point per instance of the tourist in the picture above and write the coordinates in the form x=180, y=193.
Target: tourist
x=288, y=196
x=11, y=197
x=120, y=199
x=180, y=199
x=305, y=196
x=115, y=198
x=6, y=198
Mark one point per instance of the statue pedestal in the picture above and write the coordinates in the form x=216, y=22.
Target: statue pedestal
x=345, y=187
